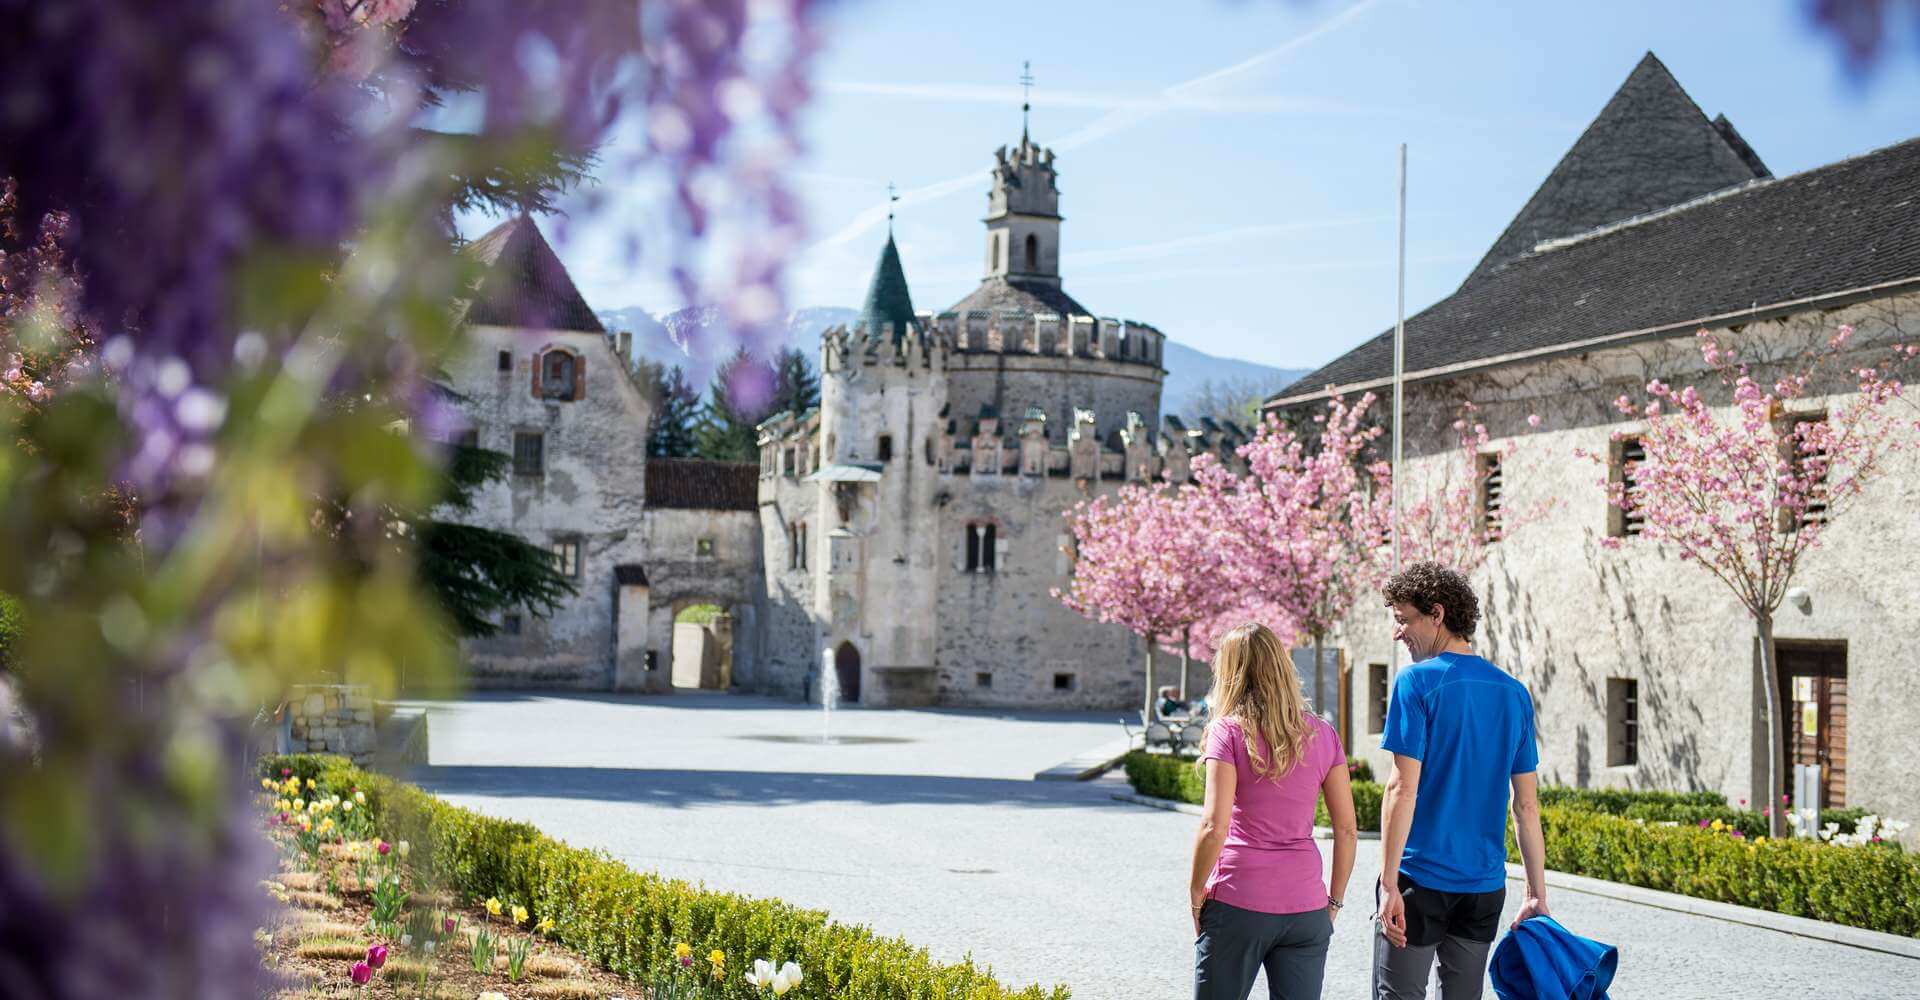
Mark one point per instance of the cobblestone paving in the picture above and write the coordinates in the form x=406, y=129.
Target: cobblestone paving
x=945, y=841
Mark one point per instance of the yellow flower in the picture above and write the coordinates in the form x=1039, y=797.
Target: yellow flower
x=360, y=797
x=493, y=907
x=1717, y=825
x=299, y=805
x=326, y=825
x=717, y=959
x=519, y=914
x=683, y=950
x=545, y=925
x=1760, y=839
x=310, y=783
x=266, y=783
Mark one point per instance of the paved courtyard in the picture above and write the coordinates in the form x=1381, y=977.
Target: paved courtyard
x=944, y=839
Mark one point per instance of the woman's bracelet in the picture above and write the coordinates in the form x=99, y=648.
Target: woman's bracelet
x=1336, y=904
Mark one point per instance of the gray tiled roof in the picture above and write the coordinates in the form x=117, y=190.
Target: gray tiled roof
x=1013, y=295
x=1649, y=148
x=525, y=285
x=1846, y=226
x=701, y=484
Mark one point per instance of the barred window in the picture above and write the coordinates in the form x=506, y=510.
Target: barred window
x=529, y=453
x=566, y=557
x=1623, y=722
x=1492, y=496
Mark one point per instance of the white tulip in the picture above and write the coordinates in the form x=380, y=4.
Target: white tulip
x=404, y=848
x=791, y=970
x=762, y=974
x=781, y=984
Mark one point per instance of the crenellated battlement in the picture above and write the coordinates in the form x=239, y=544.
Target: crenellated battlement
x=847, y=349
x=1017, y=331
x=988, y=446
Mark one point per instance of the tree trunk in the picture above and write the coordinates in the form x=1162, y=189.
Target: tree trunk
x=1319, y=693
x=1150, y=716
x=1770, y=676
x=1185, y=645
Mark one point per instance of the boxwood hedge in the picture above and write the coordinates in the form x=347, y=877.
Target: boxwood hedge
x=1183, y=780
x=629, y=921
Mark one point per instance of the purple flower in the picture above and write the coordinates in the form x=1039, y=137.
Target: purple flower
x=377, y=955
x=362, y=973
x=385, y=848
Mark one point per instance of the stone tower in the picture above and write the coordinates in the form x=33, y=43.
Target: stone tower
x=1023, y=215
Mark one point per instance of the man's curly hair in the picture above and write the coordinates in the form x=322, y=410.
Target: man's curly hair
x=1426, y=584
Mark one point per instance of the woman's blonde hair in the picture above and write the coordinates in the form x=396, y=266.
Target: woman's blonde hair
x=1256, y=688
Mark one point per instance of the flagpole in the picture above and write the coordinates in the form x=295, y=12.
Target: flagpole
x=1399, y=373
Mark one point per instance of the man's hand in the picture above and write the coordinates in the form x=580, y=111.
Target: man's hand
x=1393, y=916
x=1534, y=906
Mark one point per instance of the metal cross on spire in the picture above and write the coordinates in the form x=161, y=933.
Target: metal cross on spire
x=1026, y=94
x=891, y=198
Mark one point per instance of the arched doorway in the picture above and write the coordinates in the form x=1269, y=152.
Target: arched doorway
x=846, y=670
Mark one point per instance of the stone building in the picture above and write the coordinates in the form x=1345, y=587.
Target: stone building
x=912, y=525
x=1644, y=669
x=542, y=381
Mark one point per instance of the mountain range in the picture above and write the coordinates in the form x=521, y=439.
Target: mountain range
x=682, y=338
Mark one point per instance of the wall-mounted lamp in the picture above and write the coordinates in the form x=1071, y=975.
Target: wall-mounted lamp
x=1799, y=598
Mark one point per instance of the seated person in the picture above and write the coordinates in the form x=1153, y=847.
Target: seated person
x=1169, y=705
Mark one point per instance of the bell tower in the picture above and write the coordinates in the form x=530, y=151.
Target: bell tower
x=1023, y=211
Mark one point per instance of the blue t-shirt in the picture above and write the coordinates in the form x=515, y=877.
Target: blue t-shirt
x=1470, y=725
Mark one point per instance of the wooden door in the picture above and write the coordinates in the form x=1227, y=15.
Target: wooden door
x=1813, y=701
x=846, y=668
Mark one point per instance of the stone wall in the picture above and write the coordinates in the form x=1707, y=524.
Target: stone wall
x=592, y=491
x=1059, y=385
x=331, y=718
x=1564, y=613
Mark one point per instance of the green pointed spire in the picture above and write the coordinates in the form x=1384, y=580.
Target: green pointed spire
x=887, y=299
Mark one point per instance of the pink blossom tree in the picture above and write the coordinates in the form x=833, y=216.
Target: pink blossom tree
x=1307, y=520
x=1145, y=558
x=1748, y=496
x=1446, y=517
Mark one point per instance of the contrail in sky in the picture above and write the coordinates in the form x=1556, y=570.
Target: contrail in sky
x=1107, y=124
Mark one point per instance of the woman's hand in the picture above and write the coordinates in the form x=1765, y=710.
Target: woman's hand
x=1333, y=911
x=1196, y=900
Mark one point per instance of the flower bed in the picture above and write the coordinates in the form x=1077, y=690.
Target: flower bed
x=642, y=927
x=1697, y=808
x=1876, y=887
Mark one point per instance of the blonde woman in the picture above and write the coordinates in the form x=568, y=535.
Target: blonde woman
x=1256, y=892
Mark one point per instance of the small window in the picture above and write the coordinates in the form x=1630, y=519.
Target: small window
x=506, y=361
x=1623, y=722
x=653, y=660
x=557, y=370
x=983, y=679
x=1376, y=697
x=1064, y=682
x=1628, y=454
x=980, y=547
x=1804, y=456
x=566, y=558
x=886, y=448
x=797, y=545
x=529, y=454
x=1492, y=496
x=787, y=467
x=510, y=624
x=703, y=548
x=1033, y=252
x=469, y=438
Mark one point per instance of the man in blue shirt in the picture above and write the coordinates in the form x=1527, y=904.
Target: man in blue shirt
x=1461, y=733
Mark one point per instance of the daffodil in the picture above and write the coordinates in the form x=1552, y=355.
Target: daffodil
x=519, y=914
x=310, y=783
x=545, y=925
x=718, y=959
x=493, y=907
x=683, y=950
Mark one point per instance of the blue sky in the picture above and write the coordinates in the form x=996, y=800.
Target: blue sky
x=1227, y=169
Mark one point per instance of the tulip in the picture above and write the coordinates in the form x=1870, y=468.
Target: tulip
x=377, y=955
x=362, y=973
x=447, y=926
x=787, y=978
x=385, y=848
x=360, y=797
x=762, y=974
x=404, y=849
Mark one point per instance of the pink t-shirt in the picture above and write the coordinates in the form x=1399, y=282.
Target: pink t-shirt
x=1270, y=863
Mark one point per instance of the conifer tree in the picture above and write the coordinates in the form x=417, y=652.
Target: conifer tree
x=729, y=428
x=675, y=415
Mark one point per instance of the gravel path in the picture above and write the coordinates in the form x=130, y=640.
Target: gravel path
x=943, y=838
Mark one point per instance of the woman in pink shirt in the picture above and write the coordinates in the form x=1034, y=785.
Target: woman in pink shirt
x=1256, y=890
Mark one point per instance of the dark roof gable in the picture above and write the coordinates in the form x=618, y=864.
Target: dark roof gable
x=1649, y=148
x=524, y=284
x=1845, y=227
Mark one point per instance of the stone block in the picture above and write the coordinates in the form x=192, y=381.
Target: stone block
x=315, y=704
x=358, y=740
